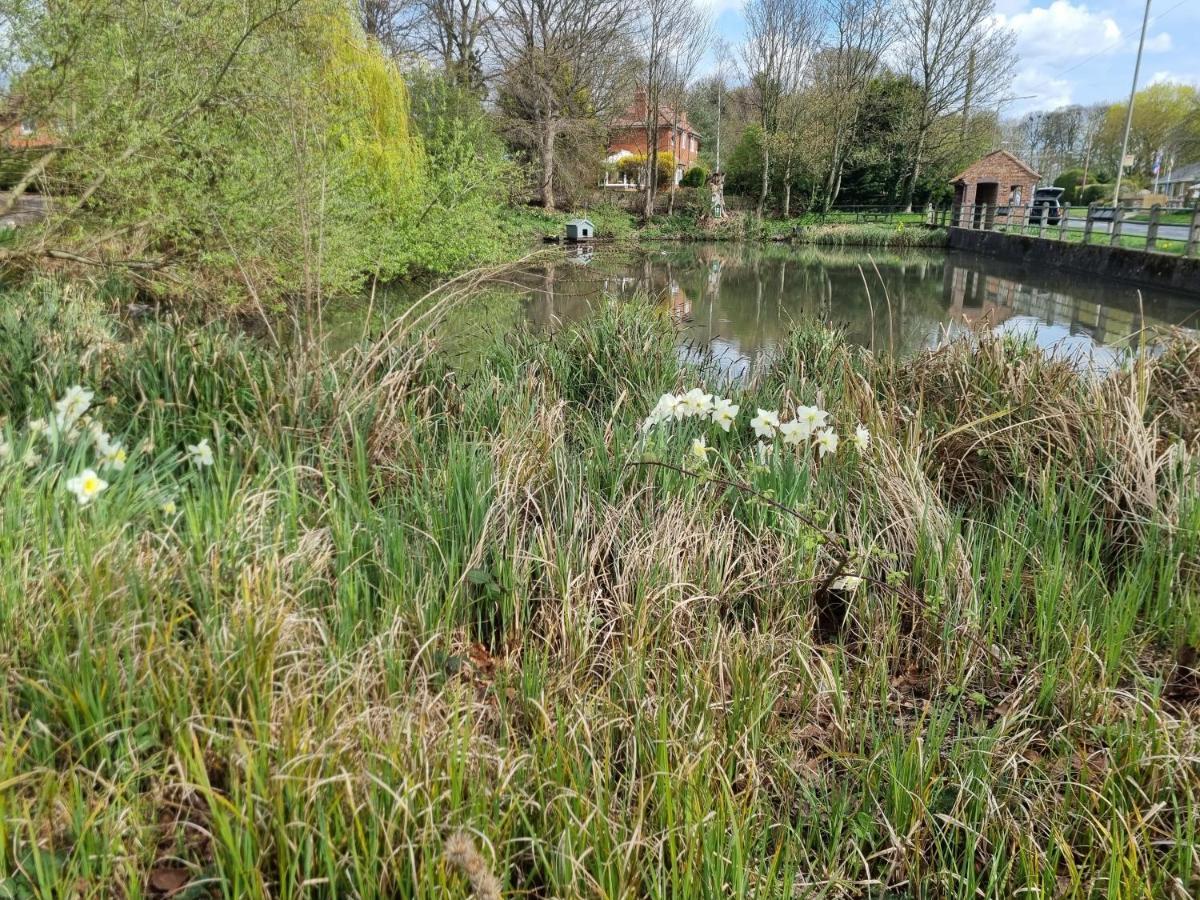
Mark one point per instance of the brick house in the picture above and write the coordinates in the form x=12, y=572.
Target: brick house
x=990, y=185
x=628, y=138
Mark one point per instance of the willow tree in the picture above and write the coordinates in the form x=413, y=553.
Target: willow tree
x=234, y=148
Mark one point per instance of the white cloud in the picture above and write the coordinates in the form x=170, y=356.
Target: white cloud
x=1160, y=43
x=1062, y=30
x=1037, y=89
x=1165, y=77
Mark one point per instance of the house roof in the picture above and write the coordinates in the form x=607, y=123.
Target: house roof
x=984, y=166
x=1183, y=174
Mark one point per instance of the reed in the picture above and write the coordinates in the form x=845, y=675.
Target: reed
x=423, y=630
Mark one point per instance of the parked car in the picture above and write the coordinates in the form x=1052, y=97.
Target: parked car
x=1046, y=205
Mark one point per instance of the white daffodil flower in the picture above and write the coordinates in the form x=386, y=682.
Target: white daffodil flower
x=113, y=455
x=763, y=453
x=812, y=418
x=700, y=449
x=794, y=432
x=827, y=441
x=86, y=486
x=862, y=438
x=200, y=454
x=72, y=406
x=38, y=427
x=765, y=423
x=32, y=458
x=724, y=412
x=697, y=402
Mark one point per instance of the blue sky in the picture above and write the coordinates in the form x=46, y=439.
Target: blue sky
x=1074, y=51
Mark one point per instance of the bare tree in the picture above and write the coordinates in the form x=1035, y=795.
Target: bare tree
x=780, y=38
x=449, y=33
x=562, y=64
x=860, y=33
x=959, y=60
x=670, y=36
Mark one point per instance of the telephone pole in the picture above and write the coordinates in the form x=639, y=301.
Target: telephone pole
x=1137, y=67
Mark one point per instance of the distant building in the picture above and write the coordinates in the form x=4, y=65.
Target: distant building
x=1182, y=185
x=999, y=179
x=628, y=138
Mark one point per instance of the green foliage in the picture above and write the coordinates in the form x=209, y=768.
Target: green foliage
x=252, y=150
x=412, y=597
x=1096, y=193
x=695, y=177
x=1070, y=181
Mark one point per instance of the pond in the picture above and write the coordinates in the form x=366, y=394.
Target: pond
x=739, y=300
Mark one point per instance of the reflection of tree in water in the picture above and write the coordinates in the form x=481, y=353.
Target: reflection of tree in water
x=742, y=299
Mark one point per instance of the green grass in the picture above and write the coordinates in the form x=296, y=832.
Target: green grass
x=412, y=601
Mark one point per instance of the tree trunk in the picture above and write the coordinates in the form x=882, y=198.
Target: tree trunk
x=651, y=164
x=787, y=186
x=549, y=134
x=834, y=176
x=911, y=189
x=766, y=180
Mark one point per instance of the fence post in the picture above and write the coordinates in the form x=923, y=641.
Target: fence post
x=1043, y=215
x=1193, y=243
x=1064, y=220
x=1152, y=228
x=1087, y=226
x=1118, y=217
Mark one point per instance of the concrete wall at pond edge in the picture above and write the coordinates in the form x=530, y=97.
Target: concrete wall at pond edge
x=1150, y=269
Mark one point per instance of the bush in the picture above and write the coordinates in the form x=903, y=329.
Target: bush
x=1070, y=181
x=1095, y=193
x=695, y=177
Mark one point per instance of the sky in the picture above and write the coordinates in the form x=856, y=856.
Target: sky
x=1073, y=51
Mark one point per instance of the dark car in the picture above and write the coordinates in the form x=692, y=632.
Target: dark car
x=1046, y=206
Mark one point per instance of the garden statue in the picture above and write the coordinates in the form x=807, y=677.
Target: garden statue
x=716, y=184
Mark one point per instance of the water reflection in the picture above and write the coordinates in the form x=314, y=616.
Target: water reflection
x=742, y=299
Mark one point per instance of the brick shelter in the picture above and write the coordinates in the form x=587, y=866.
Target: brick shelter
x=990, y=185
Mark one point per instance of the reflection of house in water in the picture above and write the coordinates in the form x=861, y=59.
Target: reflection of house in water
x=975, y=297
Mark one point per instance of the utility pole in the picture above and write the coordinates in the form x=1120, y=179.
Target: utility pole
x=1137, y=68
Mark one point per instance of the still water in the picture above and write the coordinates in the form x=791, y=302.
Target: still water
x=738, y=301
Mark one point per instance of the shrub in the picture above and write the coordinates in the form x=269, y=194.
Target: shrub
x=1095, y=193
x=695, y=177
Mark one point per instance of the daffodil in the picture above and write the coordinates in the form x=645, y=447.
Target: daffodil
x=31, y=459
x=200, y=454
x=862, y=438
x=700, y=449
x=763, y=453
x=827, y=441
x=846, y=583
x=794, y=432
x=72, y=406
x=724, y=412
x=812, y=418
x=697, y=403
x=86, y=486
x=38, y=427
x=113, y=455
x=765, y=423
x=167, y=507
x=668, y=407
x=5, y=451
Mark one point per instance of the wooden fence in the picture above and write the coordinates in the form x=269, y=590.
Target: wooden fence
x=1154, y=230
